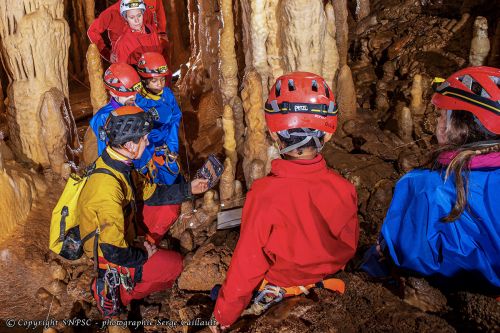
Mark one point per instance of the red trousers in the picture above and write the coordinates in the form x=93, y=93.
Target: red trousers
x=158, y=219
x=158, y=273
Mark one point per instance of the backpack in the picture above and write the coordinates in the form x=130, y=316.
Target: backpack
x=65, y=237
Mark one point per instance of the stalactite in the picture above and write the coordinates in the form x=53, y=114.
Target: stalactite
x=36, y=57
x=405, y=124
x=480, y=44
x=346, y=94
x=229, y=141
x=227, y=54
x=362, y=9
x=246, y=31
x=193, y=29
x=89, y=8
x=303, y=38
x=209, y=27
x=331, y=57
x=417, y=105
x=273, y=43
x=259, y=33
x=341, y=13
x=255, y=148
x=98, y=95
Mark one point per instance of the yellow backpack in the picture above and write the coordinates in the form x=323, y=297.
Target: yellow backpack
x=65, y=237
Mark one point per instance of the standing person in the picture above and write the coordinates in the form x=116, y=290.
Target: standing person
x=160, y=102
x=112, y=22
x=138, y=36
x=107, y=213
x=443, y=222
x=299, y=224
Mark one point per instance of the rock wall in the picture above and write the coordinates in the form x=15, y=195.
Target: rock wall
x=35, y=40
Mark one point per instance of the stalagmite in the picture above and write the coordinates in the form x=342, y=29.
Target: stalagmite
x=227, y=179
x=255, y=147
x=259, y=33
x=405, y=124
x=35, y=41
x=226, y=186
x=331, y=57
x=417, y=106
x=480, y=44
x=362, y=9
x=273, y=43
x=346, y=94
x=341, y=13
x=227, y=55
x=303, y=38
x=98, y=95
x=18, y=193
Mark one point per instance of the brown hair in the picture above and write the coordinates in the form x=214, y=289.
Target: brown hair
x=468, y=138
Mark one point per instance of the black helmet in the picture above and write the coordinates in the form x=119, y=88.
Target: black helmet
x=127, y=123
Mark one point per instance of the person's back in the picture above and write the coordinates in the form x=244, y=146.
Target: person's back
x=311, y=211
x=461, y=248
x=443, y=221
x=299, y=224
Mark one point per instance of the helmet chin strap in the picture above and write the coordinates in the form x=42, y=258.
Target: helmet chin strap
x=307, y=134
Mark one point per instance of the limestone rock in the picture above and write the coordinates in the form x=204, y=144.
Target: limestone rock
x=57, y=271
x=207, y=268
x=420, y=294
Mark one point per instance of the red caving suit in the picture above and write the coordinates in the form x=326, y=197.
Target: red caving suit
x=299, y=225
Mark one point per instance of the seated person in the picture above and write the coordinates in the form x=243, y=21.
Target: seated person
x=300, y=223
x=138, y=37
x=107, y=208
x=112, y=22
x=159, y=100
x=443, y=221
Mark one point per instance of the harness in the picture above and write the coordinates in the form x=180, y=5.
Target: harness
x=270, y=294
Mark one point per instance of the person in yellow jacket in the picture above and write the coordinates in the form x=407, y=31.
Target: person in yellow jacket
x=127, y=270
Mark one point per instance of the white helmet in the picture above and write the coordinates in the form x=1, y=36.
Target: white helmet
x=127, y=5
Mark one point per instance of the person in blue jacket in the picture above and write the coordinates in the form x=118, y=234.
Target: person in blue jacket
x=160, y=102
x=123, y=84
x=444, y=222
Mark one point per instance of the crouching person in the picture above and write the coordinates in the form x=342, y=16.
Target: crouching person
x=107, y=214
x=299, y=224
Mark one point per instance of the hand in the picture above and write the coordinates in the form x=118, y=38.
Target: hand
x=199, y=186
x=150, y=248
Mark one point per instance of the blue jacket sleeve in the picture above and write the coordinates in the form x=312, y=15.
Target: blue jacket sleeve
x=98, y=121
x=173, y=131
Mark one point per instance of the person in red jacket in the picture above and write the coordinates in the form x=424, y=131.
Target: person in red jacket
x=138, y=37
x=112, y=22
x=299, y=224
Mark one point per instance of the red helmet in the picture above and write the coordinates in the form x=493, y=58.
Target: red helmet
x=473, y=89
x=122, y=80
x=301, y=100
x=152, y=64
